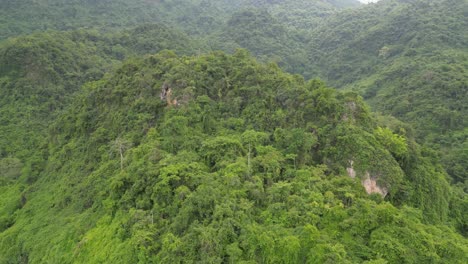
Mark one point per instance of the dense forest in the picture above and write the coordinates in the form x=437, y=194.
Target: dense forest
x=243, y=131
x=197, y=17
x=408, y=60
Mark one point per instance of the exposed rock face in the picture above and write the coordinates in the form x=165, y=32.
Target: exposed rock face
x=350, y=170
x=164, y=90
x=369, y=182
x=166, y=94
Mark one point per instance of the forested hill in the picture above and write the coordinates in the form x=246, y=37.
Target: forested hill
x=218, y=158
x=408, y=59
x=126, y=137
x=193, y=16
x=40, y=73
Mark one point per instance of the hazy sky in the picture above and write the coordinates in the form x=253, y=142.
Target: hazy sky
x=369, y=1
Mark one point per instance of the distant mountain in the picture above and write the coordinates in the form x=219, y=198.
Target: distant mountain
x=193, y=16
x=408, y=59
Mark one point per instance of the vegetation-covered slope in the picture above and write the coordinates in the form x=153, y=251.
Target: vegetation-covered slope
x=39, y=73
x=197, y=17
x=267, y=38
x=217, y=158
x=408, y=58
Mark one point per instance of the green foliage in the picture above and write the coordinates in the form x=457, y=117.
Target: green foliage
x=267, y=38
x=407, y=59
x=40, y=73
x=193, y=16
x=217, y=158
x=396, y=144
x=133, y=177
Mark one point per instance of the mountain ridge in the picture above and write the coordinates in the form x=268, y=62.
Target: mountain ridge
x=137, y=143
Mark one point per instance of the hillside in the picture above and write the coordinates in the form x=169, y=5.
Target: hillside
x=267, y=38
x=324, y=131
x=195, y=17
x=39, y=73
x=408, y=59
x=140, y=162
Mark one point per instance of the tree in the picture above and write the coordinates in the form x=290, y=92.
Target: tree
x=120, y=146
